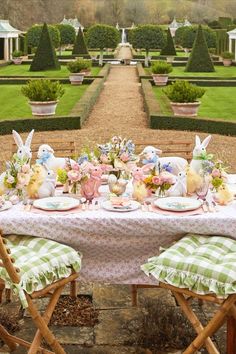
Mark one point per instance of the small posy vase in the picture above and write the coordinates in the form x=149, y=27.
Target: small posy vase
x=119, y=187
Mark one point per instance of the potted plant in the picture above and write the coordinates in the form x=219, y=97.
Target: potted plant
x=17, y=57
x=78, y=68
x=227, y=58
x=160, y=71
x=183, y=97
x=43, y=96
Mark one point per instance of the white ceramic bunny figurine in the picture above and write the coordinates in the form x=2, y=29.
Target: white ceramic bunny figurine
x=23, y=153
x=47, y=188
x=23, y=150
x=179, y=189
x=151, y=155
x=46, y=156
x=199, y=154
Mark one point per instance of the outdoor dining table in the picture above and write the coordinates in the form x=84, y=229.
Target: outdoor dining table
x=115, y=244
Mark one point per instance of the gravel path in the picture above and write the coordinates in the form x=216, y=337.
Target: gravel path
x=120, y=111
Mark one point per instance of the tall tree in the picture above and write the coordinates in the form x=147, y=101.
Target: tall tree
x=102, y=36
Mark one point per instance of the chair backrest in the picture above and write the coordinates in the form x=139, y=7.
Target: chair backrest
x=182, y=148
x=61, y=148
x=7, y=261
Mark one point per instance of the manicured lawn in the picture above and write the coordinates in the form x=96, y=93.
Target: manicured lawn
x=23, y=70
x=178, y=54
x=219, y=71
x=217, y=103
x=69, y=52
x=15, y=106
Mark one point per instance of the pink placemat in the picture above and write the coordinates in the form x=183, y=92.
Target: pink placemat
x=157, y=210
x=55, y=212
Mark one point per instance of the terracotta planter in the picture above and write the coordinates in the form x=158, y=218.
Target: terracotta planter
x=227, y=62
x=160, y=79
x=17, y=61
x=43, y=108
x=185, y=109
x=76, y=78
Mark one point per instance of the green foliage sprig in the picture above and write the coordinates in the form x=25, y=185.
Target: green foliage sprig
x=161, y=67
x=77, y=66
x=17, y=54
x=43, y=90
x=227, y=55
x=183, y=92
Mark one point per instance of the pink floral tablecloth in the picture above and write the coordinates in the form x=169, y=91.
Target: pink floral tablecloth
x=114, y=244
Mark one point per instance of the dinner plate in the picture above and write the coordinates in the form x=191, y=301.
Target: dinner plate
x=56, y=203
x=178, y=203
x=109, y=206
x=6, y=205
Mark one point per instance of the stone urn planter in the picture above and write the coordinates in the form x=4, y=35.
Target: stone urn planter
x=227, y=58
x=160, y=71
x=127, y=61
x=43, y=108
x=227, y=62
x=78, y=69
x=43, y=95
x=185, y=109
x=76, y=78
x=184, y=97
x=17, y=61
x=160, y=79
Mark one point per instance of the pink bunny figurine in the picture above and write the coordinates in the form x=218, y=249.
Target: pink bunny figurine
x=89, y=188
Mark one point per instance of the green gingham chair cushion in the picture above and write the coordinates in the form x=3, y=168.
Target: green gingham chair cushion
x=41, y=262
x=203, y=264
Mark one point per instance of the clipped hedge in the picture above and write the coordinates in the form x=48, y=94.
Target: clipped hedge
x=192, y=124
x=158, y=121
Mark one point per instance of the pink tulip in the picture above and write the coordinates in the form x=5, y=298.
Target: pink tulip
x=25, y=168
x=124, y=157
x=74, y=176
x=216, y=173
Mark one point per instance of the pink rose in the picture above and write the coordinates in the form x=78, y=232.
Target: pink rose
x=75, y=166
x=25, y=168
x=216, y=173
x=23, y=179
x=104, y=158
x=167, y=177
x=156, y=180
x=74, y=176
x=124, y=157
x=10, y=179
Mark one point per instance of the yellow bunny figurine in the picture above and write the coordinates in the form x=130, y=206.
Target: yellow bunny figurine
x=193, y=181
x=36, y=180
x=223, y=195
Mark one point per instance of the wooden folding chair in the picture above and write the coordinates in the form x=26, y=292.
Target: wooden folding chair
x=33, y=267
x=203, y=268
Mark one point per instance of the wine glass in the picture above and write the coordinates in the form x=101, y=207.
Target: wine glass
x=202, y=190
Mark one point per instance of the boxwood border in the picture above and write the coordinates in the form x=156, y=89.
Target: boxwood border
x=75, y=120
x=162, y=122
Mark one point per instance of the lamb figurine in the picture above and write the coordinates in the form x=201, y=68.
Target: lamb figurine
x=46, y=157
x=199, y=154
x=151, y=155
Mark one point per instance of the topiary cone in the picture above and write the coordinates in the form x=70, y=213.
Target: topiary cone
x=45, y=56
x=199, y=59
x=79, y=45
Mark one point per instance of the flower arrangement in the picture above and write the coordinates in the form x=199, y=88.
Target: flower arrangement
x=160, y=180
x=73, y=175
x=216, y=170
x=119, y=153
x=17, y=176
